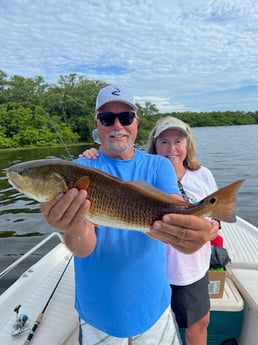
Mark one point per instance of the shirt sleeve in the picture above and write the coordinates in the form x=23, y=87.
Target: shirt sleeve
x=166, y=177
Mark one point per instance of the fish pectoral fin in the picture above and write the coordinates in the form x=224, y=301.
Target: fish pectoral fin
x=82, y=183
x=152, y=192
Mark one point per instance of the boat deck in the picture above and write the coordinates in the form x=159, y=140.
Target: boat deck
x=59, y=325
x=60, y=321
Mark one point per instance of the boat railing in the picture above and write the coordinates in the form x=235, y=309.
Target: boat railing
x=29, y=252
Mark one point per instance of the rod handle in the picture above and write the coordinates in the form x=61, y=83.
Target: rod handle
x=34, y=328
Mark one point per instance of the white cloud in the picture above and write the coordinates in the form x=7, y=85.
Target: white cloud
x=174, y=52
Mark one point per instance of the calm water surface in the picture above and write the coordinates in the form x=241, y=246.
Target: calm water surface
x=18, y=213
x=230, y=152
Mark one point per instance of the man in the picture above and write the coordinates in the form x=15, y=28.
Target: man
x=122, y=292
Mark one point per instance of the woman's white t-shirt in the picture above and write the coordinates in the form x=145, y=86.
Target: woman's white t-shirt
x=185, y=269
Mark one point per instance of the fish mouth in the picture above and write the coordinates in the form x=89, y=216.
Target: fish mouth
x=12, y=179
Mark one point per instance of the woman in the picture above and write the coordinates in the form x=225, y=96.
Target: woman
x=188, y=274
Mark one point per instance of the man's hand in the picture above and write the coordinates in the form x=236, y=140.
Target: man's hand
x=67, y=212
x=186, y=233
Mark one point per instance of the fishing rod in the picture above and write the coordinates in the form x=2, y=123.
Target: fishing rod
x=40, y=316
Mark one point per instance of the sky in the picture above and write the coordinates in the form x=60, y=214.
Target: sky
x=181, y=55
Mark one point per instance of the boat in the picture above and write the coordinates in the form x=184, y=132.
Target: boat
x=27, y=297
x=39, y=305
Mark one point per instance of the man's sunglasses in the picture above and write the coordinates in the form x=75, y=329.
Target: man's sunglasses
x=107, y=118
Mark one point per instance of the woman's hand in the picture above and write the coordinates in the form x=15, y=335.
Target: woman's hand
x=91, y=153
x=215, y=226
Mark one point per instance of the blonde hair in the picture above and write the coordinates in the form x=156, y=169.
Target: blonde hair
x=190, y=161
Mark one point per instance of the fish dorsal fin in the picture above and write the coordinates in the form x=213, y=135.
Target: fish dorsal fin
x=150, y=191
x=82, y=183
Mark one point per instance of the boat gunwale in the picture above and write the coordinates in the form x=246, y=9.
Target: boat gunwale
x=29, y=252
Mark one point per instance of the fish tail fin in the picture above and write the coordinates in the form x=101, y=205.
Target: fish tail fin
x=224, y=202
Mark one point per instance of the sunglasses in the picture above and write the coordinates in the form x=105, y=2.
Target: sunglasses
x=107, y=118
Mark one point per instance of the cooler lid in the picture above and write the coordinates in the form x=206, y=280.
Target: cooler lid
x=231, y=300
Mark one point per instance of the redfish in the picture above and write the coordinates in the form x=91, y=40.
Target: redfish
x=133, y=205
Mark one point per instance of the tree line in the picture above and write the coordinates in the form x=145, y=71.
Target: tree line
x=35, y=113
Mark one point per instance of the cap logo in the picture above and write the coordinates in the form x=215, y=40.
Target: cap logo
x=116, y=92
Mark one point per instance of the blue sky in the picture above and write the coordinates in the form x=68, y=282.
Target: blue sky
x=182, y=55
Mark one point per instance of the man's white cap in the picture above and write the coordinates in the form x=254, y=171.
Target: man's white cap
x=170, y=123
x=114, y=93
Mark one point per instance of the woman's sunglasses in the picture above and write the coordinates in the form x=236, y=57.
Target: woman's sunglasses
x=107, y=118
x=183, y=193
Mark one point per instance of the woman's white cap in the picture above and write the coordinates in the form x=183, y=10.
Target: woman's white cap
x=170, y=123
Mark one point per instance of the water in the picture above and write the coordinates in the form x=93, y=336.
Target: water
x=18, y=213
x=230, y=152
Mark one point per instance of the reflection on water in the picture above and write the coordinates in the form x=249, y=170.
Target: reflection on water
x=230, y=153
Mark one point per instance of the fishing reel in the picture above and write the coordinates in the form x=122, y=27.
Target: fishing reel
x=20, y=323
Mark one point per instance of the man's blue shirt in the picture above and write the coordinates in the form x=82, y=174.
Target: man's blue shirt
x=122, y=287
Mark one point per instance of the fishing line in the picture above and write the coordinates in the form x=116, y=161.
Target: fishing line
x=60, y=138
x=40, y=316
